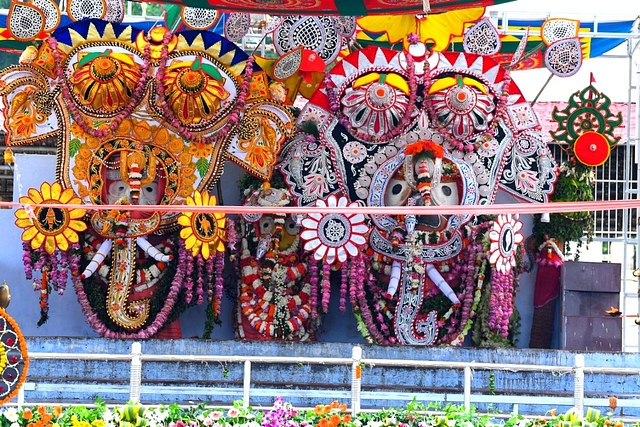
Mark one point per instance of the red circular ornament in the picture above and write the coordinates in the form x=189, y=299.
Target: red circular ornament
x=592, y=149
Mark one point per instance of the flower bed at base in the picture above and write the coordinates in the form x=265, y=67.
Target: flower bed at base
x=282, y=414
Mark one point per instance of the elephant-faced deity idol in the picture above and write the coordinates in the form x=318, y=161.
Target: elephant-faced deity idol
x=141, y=119
x=425, y=130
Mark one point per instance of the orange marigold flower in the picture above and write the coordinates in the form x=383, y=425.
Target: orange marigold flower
x=343, y=407
x=335, y=419
x=427, y=147
x=318, y=410
x=346, y=418
x=57, y=411
x=323, y=423
x=27, y=414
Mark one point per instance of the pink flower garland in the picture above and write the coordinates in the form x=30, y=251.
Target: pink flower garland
x=344, y=283
x=334, y=106
x=219, y=283
x=326, y=287
x=313, y=270
x=231, y=120
x=500, y=303
x=360, y=275
x=136, y=97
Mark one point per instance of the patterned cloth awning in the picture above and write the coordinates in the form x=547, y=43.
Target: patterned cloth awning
x=333, y=7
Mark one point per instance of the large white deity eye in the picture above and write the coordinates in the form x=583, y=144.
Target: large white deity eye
x=445, y=194
x=149, y=194
x=291, y=227
x=266, y=225
x=398, y=191
x=117, y=190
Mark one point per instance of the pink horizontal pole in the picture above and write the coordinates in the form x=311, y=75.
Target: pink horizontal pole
x=506, y=208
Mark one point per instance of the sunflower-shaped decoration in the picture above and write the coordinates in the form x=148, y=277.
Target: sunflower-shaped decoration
x=105, y=81
x=203, y=232
x=194, y=90
x=52, y=227
x=505, y=236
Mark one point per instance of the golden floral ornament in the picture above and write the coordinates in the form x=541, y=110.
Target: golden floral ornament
x=505, y=236
x=52, y=227
x=194, y=90
x=203, y=232
x=105, y=81
x=334, y=236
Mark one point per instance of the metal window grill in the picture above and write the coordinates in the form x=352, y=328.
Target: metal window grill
x=610, y=184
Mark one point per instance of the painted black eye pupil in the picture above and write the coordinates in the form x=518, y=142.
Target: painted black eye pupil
x=148, y=189
x=446, y=191
x=396, y=189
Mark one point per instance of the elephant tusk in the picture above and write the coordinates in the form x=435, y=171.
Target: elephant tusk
x=97, y=259
x=152, y=251
x=394, y=279
x=442, y=284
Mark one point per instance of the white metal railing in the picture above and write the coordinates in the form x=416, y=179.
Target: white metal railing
x=136, y=358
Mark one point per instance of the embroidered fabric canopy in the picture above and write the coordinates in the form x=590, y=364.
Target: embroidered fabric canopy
x=333, y=7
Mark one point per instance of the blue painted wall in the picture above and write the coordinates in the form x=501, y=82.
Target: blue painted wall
x=214, y=380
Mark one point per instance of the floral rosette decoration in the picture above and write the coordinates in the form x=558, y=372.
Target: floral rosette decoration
x=278, y=294
x=50, y=239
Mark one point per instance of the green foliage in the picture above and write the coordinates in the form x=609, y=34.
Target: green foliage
x=74, y=146
x=575, y=183
x=250, y=182
x=202, y=165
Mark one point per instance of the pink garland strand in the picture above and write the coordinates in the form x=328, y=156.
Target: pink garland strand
x=326, y=287
x=219, y=283
x=313, y=271
x=344, y=283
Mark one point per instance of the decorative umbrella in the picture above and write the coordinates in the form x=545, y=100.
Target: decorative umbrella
x=300, y=71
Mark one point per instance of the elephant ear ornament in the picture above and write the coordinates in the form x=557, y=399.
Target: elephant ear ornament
x=141, y=118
